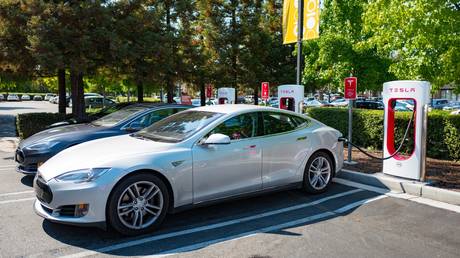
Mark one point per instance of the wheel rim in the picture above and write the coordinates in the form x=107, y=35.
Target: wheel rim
x=319, y=173
x=140, y=205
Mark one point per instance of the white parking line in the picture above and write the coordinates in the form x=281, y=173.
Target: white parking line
x=208, y=227
x=8, y=166
x=289, y=224
x=7, y=169
x=15, y=193
x=17, y=200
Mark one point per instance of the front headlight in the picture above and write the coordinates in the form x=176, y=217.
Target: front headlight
x=41, y=146
x=81, y=176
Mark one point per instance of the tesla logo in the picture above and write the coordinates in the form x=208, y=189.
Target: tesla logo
x=398, y=164
x=406, y=90
x=287, y=91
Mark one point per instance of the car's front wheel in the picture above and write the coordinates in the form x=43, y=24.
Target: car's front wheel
x=318, y=173
x=138, y=204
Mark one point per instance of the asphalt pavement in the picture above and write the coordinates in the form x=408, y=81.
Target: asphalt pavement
x=9, y=110
x=344, y=222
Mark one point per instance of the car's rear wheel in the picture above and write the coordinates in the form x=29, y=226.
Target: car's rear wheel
x=138, y=204
x=318, y=173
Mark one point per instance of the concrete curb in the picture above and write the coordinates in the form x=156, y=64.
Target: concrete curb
x=399, y=185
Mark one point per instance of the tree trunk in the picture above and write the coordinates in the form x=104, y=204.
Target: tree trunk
x=78, y=99
x=256, y=96
x=203, y=93
x=62, y=91
x=140, y=91
x=170, y=90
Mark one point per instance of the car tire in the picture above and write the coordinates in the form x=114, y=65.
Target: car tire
x=318, y=173
x=125, y=202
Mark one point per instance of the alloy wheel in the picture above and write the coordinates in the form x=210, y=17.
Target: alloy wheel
x=319, y=173
x=140, y=205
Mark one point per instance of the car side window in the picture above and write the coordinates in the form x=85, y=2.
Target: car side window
x=275, y=123
x=239, y=127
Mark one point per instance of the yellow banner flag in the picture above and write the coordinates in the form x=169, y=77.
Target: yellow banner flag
x=290, y=20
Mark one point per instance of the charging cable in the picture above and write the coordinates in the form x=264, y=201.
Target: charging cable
x=344, y=139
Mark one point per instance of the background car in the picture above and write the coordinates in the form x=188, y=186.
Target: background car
x=98, y=102
x=439, y=103
x=195, y=157
x=2, y=97
x=340, y=102
x=12, y=97
x=196, y=102
x=367, y=104
x=25, y=97
x=41, y=146
x=38, y=98
x=54, y=99
x=453, y=105
x=48, y=96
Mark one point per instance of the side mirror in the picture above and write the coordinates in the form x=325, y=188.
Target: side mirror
x=217, y=138
x=135, y=126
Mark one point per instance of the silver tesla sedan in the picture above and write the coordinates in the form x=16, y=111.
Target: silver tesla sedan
x=194, y=157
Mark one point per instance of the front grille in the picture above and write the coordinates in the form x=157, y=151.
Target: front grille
x=42, y=190
x=19, y=156
x=29, y=168
x=67, y=210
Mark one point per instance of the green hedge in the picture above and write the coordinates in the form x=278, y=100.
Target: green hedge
x=30, y=123
x=443, y=136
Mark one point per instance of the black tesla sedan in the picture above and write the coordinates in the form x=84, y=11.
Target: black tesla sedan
x=38, y=148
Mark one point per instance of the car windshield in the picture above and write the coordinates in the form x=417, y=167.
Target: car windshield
x=116, y=117
x=178, y=127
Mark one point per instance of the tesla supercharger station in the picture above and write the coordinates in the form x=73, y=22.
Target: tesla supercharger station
x=290, y=97
x=411, y=166
x=226, y=95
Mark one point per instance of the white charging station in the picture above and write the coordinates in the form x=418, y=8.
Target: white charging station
x=411, y=166
x=226, y=95
x=291, y=97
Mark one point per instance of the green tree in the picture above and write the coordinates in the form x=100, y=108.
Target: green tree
x=341, y=50
x=422, y=38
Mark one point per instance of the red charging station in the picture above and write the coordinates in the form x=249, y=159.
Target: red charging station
x=406, y=95
x=226, y=96
x=291, y=97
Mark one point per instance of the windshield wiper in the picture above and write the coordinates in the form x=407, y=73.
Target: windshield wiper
x=140, y=136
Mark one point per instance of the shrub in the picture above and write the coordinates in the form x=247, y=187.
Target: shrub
x=30, y=123
x=443, y=133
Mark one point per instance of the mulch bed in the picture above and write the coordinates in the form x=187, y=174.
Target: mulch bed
x=439, y=173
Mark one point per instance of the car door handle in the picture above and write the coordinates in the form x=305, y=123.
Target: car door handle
x=302, y=138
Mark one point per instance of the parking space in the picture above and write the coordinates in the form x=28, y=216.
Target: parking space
x=345, y=221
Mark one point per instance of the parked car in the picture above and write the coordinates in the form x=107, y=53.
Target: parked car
x=455, y=112
x=198, y=156
x=36, y=149
x=25, y=97
x=196, y=102
x=439, y=103
x=12, y=97
x=2, y=97
x=453, y=105
x=314, y=103
x=48, y=96
x=369, y=104
x=98, y=102
x=54, y=99
x=339, y=102
x=38, y=98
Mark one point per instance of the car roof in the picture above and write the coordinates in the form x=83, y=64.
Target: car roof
x=232, y=108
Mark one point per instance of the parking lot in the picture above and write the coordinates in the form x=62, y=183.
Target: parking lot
x=345, y=221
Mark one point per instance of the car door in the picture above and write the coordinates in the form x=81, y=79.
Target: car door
x=221, y=171
x=285, y=145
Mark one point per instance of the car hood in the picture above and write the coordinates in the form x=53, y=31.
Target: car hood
x=70, y=132
x=99, y=153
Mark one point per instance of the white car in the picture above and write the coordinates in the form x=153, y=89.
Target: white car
x=194, y=157
x=2, y=97
x=340, y=103
x=25, y=97
x=48, y=96
x=12, y=97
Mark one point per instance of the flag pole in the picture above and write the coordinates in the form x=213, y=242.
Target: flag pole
x=299, y=41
